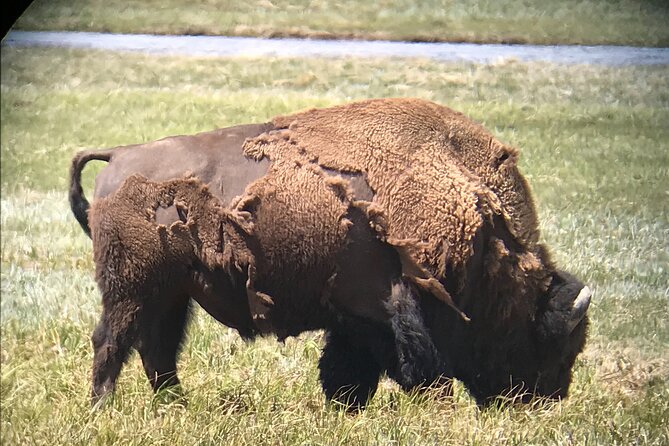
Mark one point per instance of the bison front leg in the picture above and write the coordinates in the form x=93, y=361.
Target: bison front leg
x=159, y=340
x=349, y=373
x=418, y=363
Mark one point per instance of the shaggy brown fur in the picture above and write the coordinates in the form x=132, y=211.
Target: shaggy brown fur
x=147, y=273
x=416, y=156
x=287, y=265
x=304, y=213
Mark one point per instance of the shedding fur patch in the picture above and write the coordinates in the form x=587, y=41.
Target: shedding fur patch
x=394, y=132
x=205, y=230
x=434, y=177
x=297, y=215
x=356, y=181
x=411, y=154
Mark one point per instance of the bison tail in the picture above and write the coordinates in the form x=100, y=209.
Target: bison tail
x=78, y=202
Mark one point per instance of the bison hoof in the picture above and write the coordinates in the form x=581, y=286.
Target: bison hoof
x=352, y=399
x=99, y=401
x=173, y=395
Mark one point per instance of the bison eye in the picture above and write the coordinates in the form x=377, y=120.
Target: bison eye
x=502, y=157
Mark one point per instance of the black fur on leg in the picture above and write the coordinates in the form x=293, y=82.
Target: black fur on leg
x=161, y=334
x=419, y=364
x=349, y=373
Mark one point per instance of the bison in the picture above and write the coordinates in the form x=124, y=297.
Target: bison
x=444, y=207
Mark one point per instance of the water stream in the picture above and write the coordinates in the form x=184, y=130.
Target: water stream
x=257, y=47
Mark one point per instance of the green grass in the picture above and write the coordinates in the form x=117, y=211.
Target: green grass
x=620, y=22
x=595, y=148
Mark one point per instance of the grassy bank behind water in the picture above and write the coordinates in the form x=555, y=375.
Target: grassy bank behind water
x=592, y=22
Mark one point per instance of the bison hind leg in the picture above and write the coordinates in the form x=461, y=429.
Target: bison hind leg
x=159, y=340
x=349, y=373
x=419, y=363
x=112, y=339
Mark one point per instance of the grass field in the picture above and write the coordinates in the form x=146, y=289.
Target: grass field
x=595, y=148
x=593, y=22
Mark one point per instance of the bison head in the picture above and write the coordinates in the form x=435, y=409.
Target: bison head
x=525, y=356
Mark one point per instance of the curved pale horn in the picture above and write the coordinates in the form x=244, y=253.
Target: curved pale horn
x=579, y=308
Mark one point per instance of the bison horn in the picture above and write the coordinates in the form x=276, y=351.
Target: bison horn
x=580, y=307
